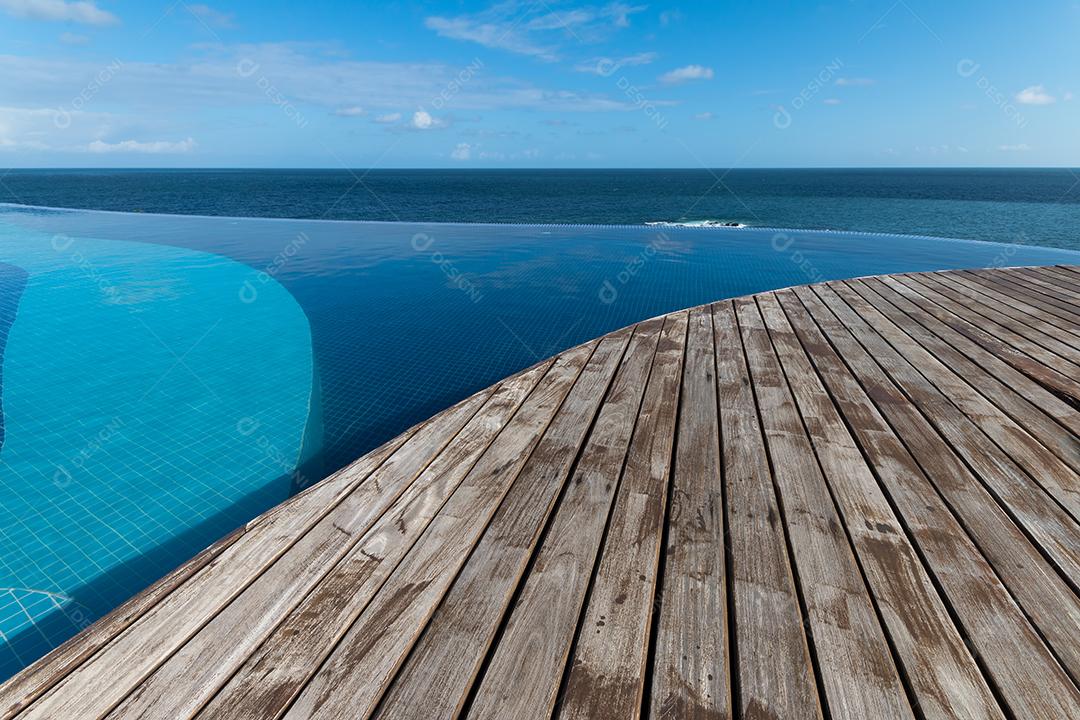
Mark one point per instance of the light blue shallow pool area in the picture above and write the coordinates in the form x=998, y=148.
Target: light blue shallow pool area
x=164, y=379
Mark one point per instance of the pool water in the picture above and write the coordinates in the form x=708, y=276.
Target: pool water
x=166, y=378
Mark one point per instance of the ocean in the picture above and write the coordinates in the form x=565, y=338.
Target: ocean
x=1027, y=206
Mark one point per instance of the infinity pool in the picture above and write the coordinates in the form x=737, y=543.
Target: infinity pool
x=164, y=379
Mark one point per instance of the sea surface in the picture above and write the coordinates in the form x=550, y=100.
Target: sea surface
x=1035, y=206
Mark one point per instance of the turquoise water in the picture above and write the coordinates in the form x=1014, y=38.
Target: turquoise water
x=167, y=378
x=136, y=391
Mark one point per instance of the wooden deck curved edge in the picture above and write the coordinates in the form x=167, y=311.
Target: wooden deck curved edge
x=852, y=499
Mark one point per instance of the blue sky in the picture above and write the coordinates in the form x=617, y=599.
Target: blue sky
x=112, y=83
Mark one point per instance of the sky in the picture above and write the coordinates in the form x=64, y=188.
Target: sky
x=539, y=83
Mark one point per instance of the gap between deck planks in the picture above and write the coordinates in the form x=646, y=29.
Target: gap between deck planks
x=846, y=500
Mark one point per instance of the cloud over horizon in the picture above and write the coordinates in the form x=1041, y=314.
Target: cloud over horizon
x=79, y=11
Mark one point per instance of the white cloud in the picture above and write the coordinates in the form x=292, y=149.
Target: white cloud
x=855, y=82
x=534, y=29
x=1067, y=96
x=135, y=146
x=1022, y=147
x=606, y=66
x=423, y=120
x=685, y=74
x=47, y=108
x=704, y=116
x=81, y=11
x=463, y=151
x=210, y=16
x=496, y=35
x=353, y=111
x=831, y=101
x=1035, y=95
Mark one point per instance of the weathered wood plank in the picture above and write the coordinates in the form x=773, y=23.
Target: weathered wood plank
x=1025, y=392
x=854, y=661
x=365, y=525
x=939, y=393
x=1020, y=317
x=692, y=665
x=524, y=673
x=607, y=673
x=1012, y=304
x=440, y=671
x=1046, y=349
x=943, y=676
x=1037, y=286
x=1015, y=342
x=915, y=465
x=1022, y=362
x=1018, y=286
x=969, y=393
x=98, y=685
x=1058, y=277
x=355, y=676
x=775, y=674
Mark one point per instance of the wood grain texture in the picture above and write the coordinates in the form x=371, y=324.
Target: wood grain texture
x=854, y=662
x=439, y=673
x=996, y=629
x=852, y=499
x=1024, y=500
x=775, y=674
x=607, y=673
x=1015, y=302
x=1039, y=345
x=942, y=674
x=354, y=547
x=1019, y=287
x=1036, y=281
x=523, y=676
x=971, y=391
x=106, y=679
x=692, y=666
x=353, y=678
x=1023, y=398
x=1046, y=376
x=39, y=677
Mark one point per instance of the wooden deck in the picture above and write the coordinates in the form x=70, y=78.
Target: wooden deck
x=851, y=500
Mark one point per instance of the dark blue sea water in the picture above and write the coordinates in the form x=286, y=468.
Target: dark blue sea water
x=1038, y=206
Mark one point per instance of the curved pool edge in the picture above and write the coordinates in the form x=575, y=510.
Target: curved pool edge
x=510, y=224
